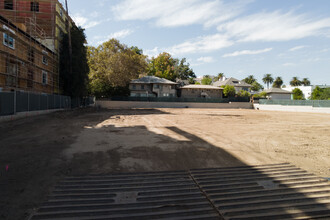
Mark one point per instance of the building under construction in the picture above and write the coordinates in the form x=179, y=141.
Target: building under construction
x=31, y=32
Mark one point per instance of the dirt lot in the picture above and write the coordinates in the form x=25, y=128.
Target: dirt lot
x=37, y=152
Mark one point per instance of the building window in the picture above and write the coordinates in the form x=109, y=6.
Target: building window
x=156, y=86
x=31, y=55
x=12, y=71
x=8, y=41
x=44, y=77
x=30, y=79
x=142, y=86
x=9, y=5
x=35, y=6
x=61, y=12
x=44, y=60
x=134, y=86
x=173, y=87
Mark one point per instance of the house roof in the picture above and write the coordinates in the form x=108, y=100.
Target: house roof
x=232, y=82
x=277, y=90
x=200, y=87
x=152, y=79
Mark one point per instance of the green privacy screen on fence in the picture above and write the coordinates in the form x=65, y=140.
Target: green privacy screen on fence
x=314, y=103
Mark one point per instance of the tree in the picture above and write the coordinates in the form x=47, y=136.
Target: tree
x=256, y=86
x=253, y=82
x=165, y=66
x=250, y=79
x=206, y=80
x=229, y=91
x=243, y=93
x=295, y=81
x=306, y=82
x=137, y=50
x=320, y=94
x=219, y=76
x=112, y=66
x=183, y=71
x=74, y=83
x=260, y=95
x=268, y=79
x=278, y=82
x=316, y=94
x=297, y=94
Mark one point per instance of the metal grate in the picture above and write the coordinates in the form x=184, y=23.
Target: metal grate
x=279, y=191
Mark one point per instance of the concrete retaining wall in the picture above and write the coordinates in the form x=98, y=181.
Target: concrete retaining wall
x=129, y=104
x=292, y=108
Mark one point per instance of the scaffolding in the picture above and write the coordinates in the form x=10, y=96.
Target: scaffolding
x=32, y=62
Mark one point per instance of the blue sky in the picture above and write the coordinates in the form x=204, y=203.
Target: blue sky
x=236, y=37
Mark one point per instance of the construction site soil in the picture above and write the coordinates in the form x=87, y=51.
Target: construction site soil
x=39, y=151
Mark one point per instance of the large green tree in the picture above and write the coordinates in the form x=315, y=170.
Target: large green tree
x=295, y=82
x=229, y=91
x=206, y=80
x=268, y=79
x=297, y=94
x=256, y=86
x=74, y=83
x=112, y=66
x=278, y=82
x=165, y=66
x=320, y=94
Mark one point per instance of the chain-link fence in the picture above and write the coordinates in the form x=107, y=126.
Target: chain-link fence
x=172, y=99
x=314, y=103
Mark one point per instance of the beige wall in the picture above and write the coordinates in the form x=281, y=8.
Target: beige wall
x=280, y=96
x=128, y=105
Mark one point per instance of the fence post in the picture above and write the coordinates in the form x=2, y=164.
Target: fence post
x=15, y=102
x=28, y=93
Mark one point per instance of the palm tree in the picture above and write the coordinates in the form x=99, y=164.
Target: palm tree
x=278, y=82
x=306, y=82
x=250, y=79
x=295, y=81
x=220, y=76
x=268, y=79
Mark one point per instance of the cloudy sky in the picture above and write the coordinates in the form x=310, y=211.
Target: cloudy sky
x=236, y=37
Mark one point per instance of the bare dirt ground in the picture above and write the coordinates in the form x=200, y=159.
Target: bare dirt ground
x=37, y=152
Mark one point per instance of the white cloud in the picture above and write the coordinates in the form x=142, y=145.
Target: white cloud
x=247, y=52
x=117, y=35
x=201, y=45
x=289, y=64
x=274, y=26
x=297, y=48
x=206, y=59
x=152, y=53
x=173, y=13
x=84, y=21
x=121, y=34
x=202, y=60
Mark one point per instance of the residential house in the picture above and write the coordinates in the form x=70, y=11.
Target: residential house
x=277, y=93
x=201, y=91
x=238, y=84
x=25, y=63
x=151, y=86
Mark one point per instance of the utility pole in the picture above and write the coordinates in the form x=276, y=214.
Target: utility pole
x=69, y=34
